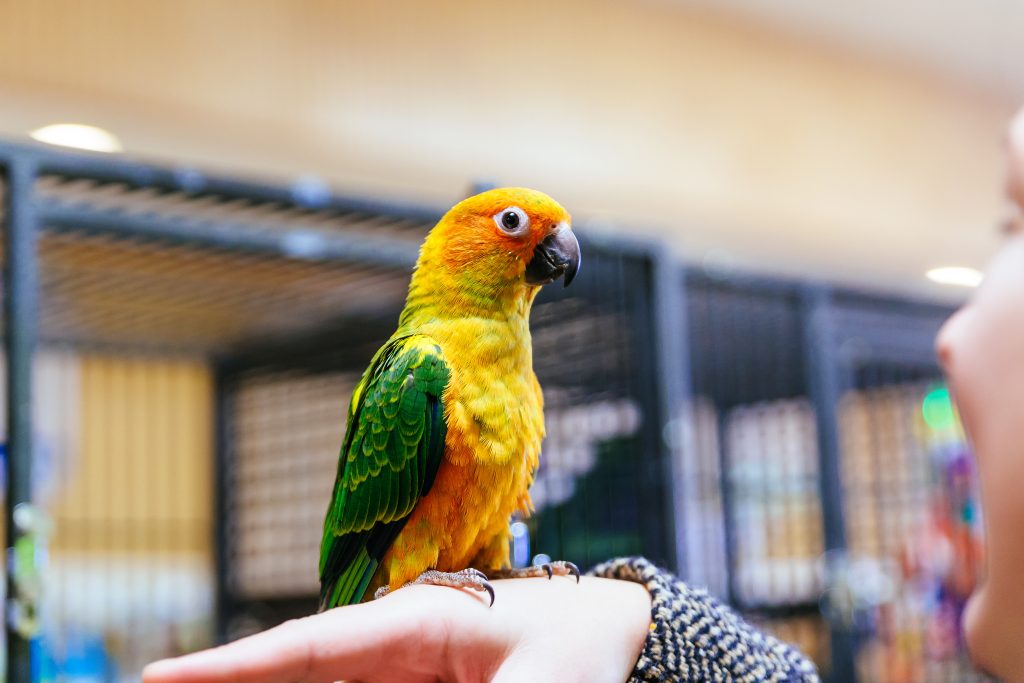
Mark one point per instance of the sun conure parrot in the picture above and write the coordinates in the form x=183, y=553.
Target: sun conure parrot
x=445, y=427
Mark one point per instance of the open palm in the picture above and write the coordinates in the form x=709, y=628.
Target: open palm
x=537, y=630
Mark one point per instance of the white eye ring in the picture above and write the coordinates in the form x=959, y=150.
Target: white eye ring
x=512, y=221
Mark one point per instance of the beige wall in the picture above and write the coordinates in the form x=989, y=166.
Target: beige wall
x=715, y=133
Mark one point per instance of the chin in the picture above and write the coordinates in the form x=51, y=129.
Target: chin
x=983, y=642
x=972, y=636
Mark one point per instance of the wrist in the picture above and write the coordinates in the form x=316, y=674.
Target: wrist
x=592, y=631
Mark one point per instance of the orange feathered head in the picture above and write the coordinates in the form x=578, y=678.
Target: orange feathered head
x=508, y=235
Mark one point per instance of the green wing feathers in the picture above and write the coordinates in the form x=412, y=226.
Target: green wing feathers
x=392, y=448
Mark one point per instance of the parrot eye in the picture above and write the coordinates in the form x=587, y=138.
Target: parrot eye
x=512, y=221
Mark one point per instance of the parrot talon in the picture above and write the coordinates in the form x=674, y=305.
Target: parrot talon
x=466, y=578
x=562, y=568
x=548, y=569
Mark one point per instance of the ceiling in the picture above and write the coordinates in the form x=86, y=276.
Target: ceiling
x=981, y=41
x=851, y=141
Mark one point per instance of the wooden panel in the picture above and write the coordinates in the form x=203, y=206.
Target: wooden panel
x=141, y=482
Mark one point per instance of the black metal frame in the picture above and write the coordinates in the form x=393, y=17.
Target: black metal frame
x=21, y=309
x=824, y=391
x=840, y=332
x=673, y=351
x=850, y=330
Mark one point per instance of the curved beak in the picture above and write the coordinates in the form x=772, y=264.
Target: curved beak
x=556, y=255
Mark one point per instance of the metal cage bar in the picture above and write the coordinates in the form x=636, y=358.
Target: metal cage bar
x=825, y=386
x=309, y=246
x=309, y=194
x=673, y=361
x=21, y=311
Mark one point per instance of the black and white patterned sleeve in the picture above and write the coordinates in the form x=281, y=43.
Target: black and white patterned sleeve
x=694, y=637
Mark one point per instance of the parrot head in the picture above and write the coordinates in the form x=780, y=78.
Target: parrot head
x=506, y=237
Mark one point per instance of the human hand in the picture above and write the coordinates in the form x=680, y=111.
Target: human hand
x=537, y=630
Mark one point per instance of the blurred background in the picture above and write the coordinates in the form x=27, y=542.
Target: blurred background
x=779, y=202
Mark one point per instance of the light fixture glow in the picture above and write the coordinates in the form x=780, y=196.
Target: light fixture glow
x=79, y=136
x=955, y=275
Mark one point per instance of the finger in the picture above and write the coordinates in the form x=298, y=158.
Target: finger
x=323, y=648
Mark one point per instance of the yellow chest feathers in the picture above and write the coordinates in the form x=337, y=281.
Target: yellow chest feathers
x=493, y=402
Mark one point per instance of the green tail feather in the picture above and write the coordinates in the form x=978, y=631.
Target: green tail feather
x=351, y=586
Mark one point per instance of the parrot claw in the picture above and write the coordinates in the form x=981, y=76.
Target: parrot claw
x=467, y=578
x=562, y=568
x=548, y=569
x=573, y=570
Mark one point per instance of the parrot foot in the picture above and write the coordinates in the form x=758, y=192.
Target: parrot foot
x=467, y=578
x=548, y=569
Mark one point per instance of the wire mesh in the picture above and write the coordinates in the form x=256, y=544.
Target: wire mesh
x=909, y=505
x=597, y=492
x=913, y=519
x=195, y=298
x=131, y=321
x=758, y=462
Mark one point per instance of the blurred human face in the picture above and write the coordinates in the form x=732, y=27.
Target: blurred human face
x=981, y=349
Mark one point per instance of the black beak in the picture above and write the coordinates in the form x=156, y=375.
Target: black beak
x=558, y=254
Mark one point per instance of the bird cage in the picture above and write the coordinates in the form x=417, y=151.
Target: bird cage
x=600, y=490
x=181, y=348
x=829, y=495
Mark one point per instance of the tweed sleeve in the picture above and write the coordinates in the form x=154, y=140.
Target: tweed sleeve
x=694, y=637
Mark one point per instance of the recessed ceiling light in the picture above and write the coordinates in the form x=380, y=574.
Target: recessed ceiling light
x=955, y=275
x=79, y=136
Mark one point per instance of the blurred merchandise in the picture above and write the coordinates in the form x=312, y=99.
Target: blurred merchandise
x=773, y=472
x=914, y=506
x=694, y=436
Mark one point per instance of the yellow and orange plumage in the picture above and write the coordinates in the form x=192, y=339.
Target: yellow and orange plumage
x=459, y=366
